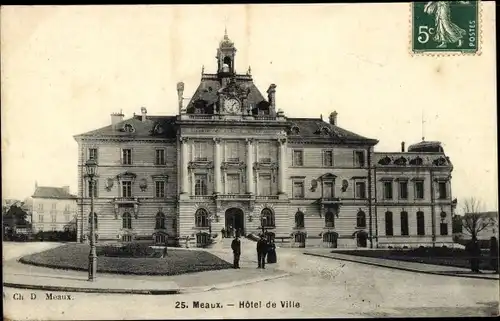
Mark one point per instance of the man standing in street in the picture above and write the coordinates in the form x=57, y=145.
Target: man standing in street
x=261, y=252
x=236, y=247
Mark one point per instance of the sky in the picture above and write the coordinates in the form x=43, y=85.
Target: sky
x=64, y=70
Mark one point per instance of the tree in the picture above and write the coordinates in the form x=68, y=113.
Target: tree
x=16, y=216
x=457, y=223
x=474, y=221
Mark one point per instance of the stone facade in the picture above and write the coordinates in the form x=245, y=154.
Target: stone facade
x=53, y=209
x=230, y=158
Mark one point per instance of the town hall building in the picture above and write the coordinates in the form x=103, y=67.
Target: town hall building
x=232, y=159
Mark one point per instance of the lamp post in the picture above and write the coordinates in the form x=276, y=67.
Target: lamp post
x=263, y=224
x=91, y=168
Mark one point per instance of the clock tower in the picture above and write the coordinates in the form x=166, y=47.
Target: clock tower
x=225, y=57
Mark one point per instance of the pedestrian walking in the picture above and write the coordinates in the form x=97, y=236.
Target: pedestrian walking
x=472, y=249
x=271, y=252
x=262, y=249
x=236, y=247
x=223, y=233
x=494, y=253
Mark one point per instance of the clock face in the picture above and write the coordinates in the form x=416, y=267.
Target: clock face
x=232, y=105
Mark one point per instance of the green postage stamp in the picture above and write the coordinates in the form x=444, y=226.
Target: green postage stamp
x=445, y=26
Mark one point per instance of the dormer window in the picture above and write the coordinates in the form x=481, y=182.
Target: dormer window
x=128, y=128
x=295, y=130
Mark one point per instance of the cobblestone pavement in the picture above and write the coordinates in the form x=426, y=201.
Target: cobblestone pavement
x=318, y=287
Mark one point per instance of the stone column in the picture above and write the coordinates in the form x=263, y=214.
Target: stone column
x=250, y=188
x=217, y=164
x=282, y=166
x=184, y=166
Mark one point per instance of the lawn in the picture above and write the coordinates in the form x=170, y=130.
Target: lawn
x=133, y=259
x=437, y=256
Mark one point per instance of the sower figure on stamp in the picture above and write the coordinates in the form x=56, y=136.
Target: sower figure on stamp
x=261, y=252
x=446, y=30
x=236, y=247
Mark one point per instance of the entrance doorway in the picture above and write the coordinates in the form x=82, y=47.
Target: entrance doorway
x=235, y=222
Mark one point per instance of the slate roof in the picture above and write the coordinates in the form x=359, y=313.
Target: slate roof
x=141, y=128
x=52, y=192
x=426, y=146
x=210, y=85
x=314, y=128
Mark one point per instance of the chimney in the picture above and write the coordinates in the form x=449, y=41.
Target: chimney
x=402, y=147
x=66, y=189
x=144, y=112
x=180, y=93
x=333, y=118
x=116, y=118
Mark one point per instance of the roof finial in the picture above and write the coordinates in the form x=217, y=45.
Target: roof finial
x=249, y=72
x=202, y=69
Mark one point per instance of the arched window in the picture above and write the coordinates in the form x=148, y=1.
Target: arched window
x=267, y=218
x=95, y=220
x=361, y=219
x=160, y=221
x=299, y=219
x=329, y=219
x=201, y=218
x=127, y=220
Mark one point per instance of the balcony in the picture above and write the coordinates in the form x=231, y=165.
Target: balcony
x=235, y=197
x=329, y=202
x=201, y=197
x=125, y=200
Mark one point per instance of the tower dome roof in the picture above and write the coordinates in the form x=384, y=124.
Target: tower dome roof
x=226, y=42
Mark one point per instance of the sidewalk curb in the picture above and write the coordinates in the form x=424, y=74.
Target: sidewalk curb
x=228, y=285
x=403, y=269
x=89, y=290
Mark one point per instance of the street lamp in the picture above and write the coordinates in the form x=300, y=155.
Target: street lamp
x=263, y=220
x=91, y=168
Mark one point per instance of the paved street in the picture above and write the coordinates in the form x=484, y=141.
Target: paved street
x=322, y=287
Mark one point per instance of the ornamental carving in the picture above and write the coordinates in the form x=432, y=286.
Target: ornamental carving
x=128, y=128
x=126, y=175
x=109, y=184
x=264, y=165
x=200, y=164
x=237, y=165
x=314, y=185
x=416, y=161
x=385, y=161
x=345, y=185
x=441, y=161
x=158, y=129
x=143, y=185
x=400, y=161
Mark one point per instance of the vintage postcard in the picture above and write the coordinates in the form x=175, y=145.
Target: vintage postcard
x=249, y=161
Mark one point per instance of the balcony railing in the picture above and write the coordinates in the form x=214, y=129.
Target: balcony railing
x=125, y=200
x=267, y=197
x=201, y=197
x=235, y=197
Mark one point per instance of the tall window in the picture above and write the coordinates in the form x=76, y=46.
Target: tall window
x=404, y=223
x=93, y=154
x=199, y=151
x=419, y=189
x=267, y=218
x=388, y=190
x=403, y=190
x=265, y=152
x=327, y=158
x=40, y=218
x=233, y=183
x=233, y=151
x=388, y=224
x=420, y=223
x=201, y=218
x=361, y=219
x=160, y=221
x=126, y=156
x=329, y=219
x=298, y=190
x=299, y=220
x=200, y=186
x=53, y=217
x=328, y=190
x=442, y=190
x=265, y=185
x=127, y=220
x=40, y=207
x=160, y=157
x=159, y=189
x=359, y=158
x=95, y=220
x=54, y=206
x=66, y=218
x=360, y=190
x=126, y=189
x=92, y=187
x=443, y=228
x=298, y=158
